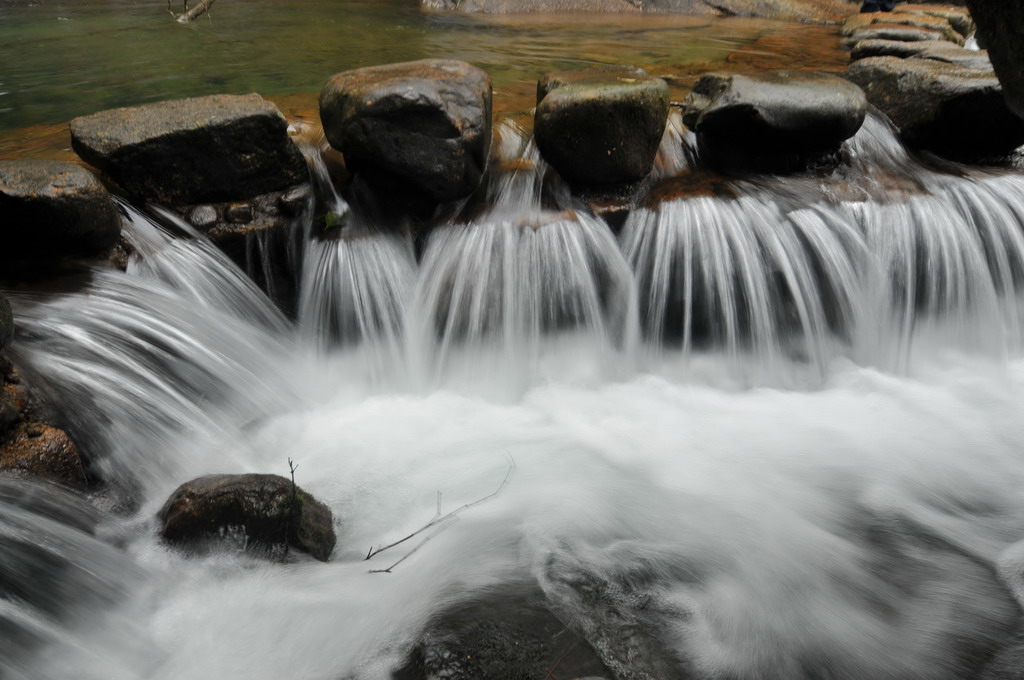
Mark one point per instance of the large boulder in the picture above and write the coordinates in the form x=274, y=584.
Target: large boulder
x=50, y=210
x=939, y=50
x=218, y=147
x=262, y=512
x=6, y=322
x=954, y=111
x=426, y=123
x=601, y=126
x=772, y=122
x=1001, y=26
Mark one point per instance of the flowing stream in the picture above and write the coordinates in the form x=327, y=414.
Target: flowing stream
x=776, y=436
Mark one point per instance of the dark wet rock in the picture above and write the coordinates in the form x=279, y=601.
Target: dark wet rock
x=507, y=636
x=6, y=322
x=50, y=210
x=203, y=217
x=939, y=50
x=938, y=24
x=201, y=149
x=958, y=17
x=954, y=111
x=258, y=511
x=887, y=32
x=426, y=123
x=40, y=450
x=772, y=122
x=294, y=201
x=601, y=126
x=238, y=213
x=1001, y=26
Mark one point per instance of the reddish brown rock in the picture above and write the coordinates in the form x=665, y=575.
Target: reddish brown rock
x=43, y=451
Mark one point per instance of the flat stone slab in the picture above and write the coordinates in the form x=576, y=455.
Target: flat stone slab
x=218, y=147
x=954, y=111
x=50, y=210
x=601, y=126
x=938, y=24
x=772, y=122
x=425, y=123
x=958, y=17
x=939, y=50
x=891, y=32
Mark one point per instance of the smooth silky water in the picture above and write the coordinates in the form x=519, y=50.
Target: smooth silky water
x=777, y=436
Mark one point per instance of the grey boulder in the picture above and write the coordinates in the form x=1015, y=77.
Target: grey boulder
x=426, y=123
x=772, y=122
x=50, y=210
x=182, y=151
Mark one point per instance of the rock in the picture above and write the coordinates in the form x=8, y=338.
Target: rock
x=42, y=451
x=938, y=24
x=238, y=213
x=254, y=509
x=507, y=636
x=939, y=50
x=601, y=127
x=891, y=32
x=425, y=123
x=201, y=149
x=796, y=10
x=203, y=216
x=959, y=18
x=294, y=201
x=1001, y=26
x=772, y=122
x=954, y=111
x=50, y=210
x=6, y=322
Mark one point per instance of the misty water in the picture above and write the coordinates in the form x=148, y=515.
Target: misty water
x=771, y=436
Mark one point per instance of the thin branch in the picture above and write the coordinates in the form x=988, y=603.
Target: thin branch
x=440, y=519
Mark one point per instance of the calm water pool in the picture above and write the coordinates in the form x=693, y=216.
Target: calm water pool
x=63, y=59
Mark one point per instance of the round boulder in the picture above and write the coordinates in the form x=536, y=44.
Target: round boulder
x=424, y=122
x=262, y=512
x=601, y=126
x=184, y=151
x=957, y=112
x=50, y=210
x=772, y=122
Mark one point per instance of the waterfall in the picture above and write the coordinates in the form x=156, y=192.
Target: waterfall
x=767, y=431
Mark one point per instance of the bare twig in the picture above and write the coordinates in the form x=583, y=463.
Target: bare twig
x=189, y=14
x=438, y=519
x=291, y=521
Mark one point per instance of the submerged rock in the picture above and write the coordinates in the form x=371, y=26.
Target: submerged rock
x=218, y=147
x=772, y=122
x=939, y=50
x=999, y=25
x=257, y=511
x=507, y=636
x=426, y=123
x=601, y=126
x=50, y=210
x=954, y=111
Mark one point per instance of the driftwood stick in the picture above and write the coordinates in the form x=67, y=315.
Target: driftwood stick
x=438, y=519
x=201, y=7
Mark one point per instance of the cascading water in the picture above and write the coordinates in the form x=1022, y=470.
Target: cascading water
x=844, y=520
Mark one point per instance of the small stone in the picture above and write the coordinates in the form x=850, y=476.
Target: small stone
x=42, y=451
x=203, y=216
x=238, y=213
